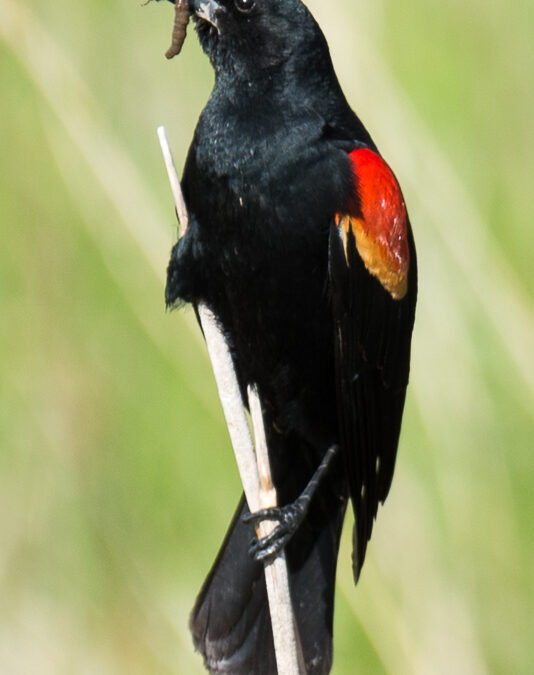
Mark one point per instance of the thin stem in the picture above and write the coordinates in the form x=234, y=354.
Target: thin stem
x=179, y=201
x=285, y=630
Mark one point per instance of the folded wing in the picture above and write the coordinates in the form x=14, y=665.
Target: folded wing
x=373, y=279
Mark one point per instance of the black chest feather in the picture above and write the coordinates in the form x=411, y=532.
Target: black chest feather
x=262, y=191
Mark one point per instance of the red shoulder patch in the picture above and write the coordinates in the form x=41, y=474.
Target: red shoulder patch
x=381, y=226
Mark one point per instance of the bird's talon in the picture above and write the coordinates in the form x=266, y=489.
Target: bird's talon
x=274, y=513
x=268, y=553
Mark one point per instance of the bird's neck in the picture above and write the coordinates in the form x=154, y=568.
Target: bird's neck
x=305, y=80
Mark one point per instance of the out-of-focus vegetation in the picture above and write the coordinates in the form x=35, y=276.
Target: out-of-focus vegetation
x=117, y=479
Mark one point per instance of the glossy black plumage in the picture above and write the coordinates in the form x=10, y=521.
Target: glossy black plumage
x=325, y=343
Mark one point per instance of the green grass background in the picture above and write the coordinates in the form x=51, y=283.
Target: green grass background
x=117, y=479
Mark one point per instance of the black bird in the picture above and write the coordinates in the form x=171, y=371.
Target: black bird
x=300, y=243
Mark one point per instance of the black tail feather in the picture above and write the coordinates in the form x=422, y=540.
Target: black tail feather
x=230, y=622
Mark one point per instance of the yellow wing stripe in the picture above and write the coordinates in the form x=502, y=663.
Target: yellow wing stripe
x=377, y=258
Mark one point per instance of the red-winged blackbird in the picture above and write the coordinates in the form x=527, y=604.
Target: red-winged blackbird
x=300, y=243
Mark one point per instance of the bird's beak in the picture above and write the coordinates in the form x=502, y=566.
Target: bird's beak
x=207, y=10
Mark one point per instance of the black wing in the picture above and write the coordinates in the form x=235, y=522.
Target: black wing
x=372, y=347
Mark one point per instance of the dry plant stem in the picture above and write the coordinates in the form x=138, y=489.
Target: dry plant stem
x=181, y=208
x=232, y=404
x=254, y=469
x=285, y=631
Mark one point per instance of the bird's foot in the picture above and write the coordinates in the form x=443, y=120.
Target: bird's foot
x=265, y=549
x=289, y=518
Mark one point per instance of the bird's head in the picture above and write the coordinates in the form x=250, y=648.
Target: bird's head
x=245, y=35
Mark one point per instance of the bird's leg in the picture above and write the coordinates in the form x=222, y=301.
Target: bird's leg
x=289, y=517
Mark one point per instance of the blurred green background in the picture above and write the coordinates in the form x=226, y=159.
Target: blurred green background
x=117, y=479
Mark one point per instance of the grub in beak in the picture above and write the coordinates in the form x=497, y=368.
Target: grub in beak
x=181, y=19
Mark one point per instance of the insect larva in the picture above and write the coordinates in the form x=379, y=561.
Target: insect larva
x=181, y=19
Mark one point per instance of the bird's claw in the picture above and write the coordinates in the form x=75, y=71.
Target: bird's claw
x=265, y=549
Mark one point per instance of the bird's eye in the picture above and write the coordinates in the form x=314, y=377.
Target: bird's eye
x=244, y=5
